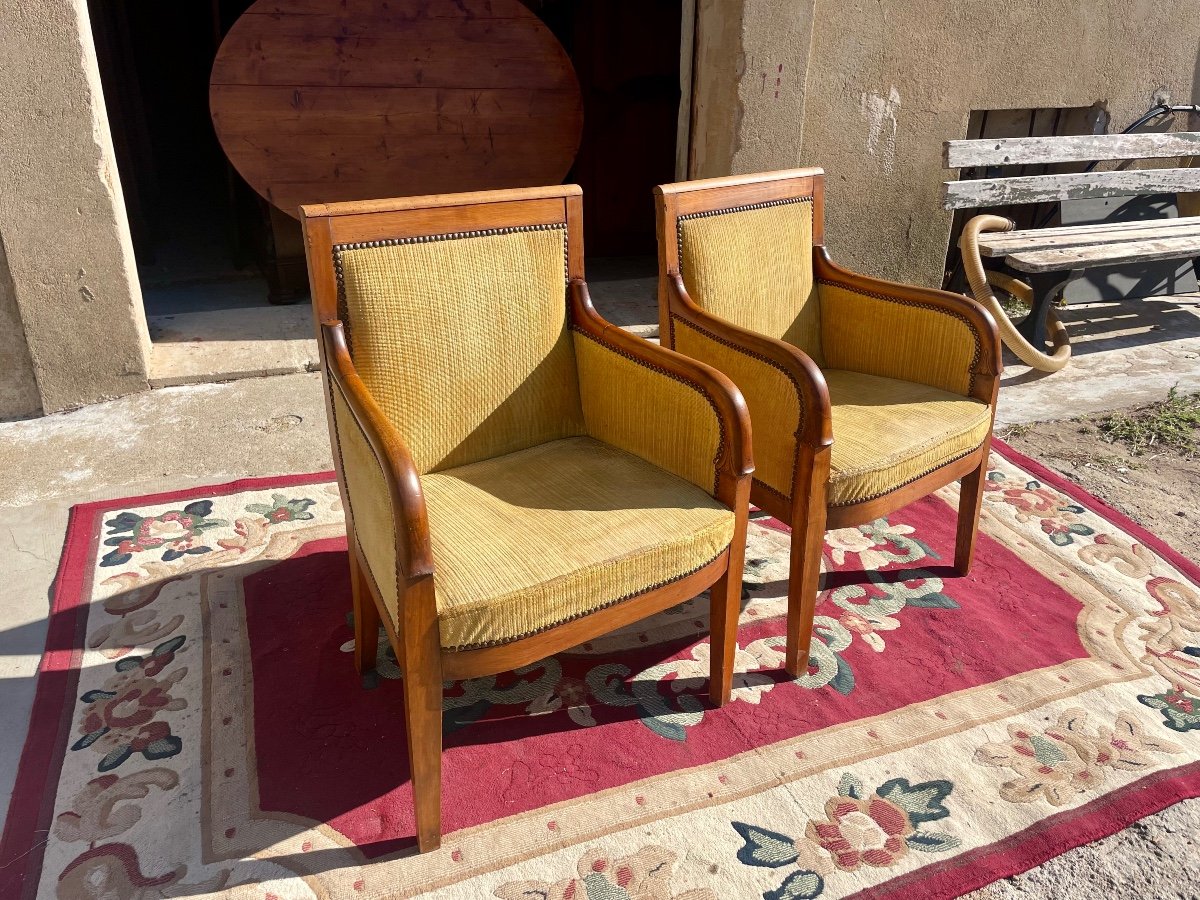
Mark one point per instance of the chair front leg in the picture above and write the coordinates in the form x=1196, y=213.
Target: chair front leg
x=808, y=542
x=366, y=616
x=420, y=655
x=725, y=603
x=970, y=499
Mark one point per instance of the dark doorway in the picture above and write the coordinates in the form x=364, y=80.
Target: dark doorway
x=205, y=242
x=626, y=56
x=197, y=229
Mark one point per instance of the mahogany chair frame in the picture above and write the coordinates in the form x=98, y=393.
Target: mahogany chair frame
x=806, y=510
x=416, y=636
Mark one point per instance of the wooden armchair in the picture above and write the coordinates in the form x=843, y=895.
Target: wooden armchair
x=864, y=394
x=519, y=475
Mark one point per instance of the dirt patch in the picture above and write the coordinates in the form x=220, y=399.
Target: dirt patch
x=1160, y=491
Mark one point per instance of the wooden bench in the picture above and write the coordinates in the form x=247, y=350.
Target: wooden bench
x=1048, y=258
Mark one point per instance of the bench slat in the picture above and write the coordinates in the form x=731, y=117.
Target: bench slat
x=1069, y=148
x=1075, y=186
x=1002, y=243
x=1106, y=255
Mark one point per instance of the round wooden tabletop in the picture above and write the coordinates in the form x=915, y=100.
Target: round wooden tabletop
x=316, y=101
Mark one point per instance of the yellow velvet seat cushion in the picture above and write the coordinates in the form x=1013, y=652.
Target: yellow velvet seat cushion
x=529, y=540
x=887, y=433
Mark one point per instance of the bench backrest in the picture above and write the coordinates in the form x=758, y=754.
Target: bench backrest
x=1070, y=186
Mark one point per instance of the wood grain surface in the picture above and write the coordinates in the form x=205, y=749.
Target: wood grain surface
x=319, y=101
x=1069, y=148
x=1071, y=186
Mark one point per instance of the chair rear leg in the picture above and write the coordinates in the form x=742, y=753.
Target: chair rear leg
x=804, y=572
x=970, y=499
x=366, y=617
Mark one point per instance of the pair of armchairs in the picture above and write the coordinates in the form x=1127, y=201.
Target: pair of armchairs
x=521, y=476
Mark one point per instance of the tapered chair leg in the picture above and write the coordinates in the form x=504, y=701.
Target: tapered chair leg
x=423, y=717
x=366, y=618
x=804, y=571
x=725, y=607
x=421, y=654
x=970, y=499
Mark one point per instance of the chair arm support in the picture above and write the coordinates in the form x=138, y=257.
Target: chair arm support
x=814, y=428
x=913, y=333
x=372, y=442
x=675, y=412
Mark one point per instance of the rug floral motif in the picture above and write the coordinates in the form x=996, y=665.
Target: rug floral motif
x=199, y=728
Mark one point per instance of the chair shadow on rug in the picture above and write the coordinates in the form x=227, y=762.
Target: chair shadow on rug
x=309, y=709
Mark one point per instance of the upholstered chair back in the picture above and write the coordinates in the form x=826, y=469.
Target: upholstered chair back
x=463, y=339
x=752, y=265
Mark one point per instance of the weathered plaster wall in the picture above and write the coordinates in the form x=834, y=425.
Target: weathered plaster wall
x=18, y=386
x=869, y=89
x=718, y=68
x=62, y=218
x=776, y=52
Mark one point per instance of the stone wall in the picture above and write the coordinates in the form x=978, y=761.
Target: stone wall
x=18, y=386
x=869, y=90
x=67, y=277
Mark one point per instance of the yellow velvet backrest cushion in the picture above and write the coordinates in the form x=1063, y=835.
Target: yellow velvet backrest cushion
x=753, y=267
x=463, y=341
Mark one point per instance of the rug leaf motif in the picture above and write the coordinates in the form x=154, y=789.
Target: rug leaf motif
x=875, y=830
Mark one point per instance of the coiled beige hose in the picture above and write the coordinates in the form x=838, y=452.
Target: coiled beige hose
x=981, y=286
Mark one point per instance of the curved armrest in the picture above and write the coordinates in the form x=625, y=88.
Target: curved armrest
x=678, y=413
x=814, y=427
x=379, y=475
x=903, y=331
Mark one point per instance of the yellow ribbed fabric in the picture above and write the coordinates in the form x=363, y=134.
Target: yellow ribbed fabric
x=644, y=410
x=464, y=344
x=529, y=540
x=771, y=397
x=896, y=339
x=369, y=500
x=887, y=433
x=754, y=268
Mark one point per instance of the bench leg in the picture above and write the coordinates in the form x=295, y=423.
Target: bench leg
x=1046, y=287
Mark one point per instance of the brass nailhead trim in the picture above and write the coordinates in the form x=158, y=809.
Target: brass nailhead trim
x=341, y=466
x=339, y=249
x=630, y=596
x=905, y=483
x=703, y=214
x=778, y=493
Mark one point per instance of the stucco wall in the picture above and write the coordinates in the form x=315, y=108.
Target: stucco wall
x=18, y=386
x=869, y=89
x=62, y=219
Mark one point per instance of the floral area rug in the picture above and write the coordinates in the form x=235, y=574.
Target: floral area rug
x=199, y=728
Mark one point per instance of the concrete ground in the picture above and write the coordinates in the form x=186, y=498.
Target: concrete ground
x=177, y=437
x=220, y=328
